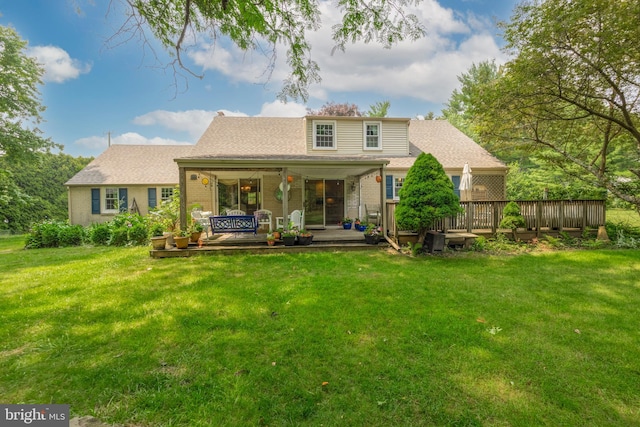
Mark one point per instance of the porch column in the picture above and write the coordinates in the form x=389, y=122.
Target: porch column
x=285, y=198
x=183, y=197
x=383, y=205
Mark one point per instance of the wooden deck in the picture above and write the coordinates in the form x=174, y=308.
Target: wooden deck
x=330, y=239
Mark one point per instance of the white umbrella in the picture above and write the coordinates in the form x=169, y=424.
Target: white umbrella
x=466, y=181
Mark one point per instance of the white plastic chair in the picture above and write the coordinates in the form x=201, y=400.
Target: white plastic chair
x=297, y=219
x=234, y=212
x=203, y=219
x=263, y=216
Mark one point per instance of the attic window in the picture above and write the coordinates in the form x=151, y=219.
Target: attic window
x=324, y=135
x=372, y=135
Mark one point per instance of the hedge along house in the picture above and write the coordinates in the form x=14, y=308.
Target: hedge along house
x=330, y=167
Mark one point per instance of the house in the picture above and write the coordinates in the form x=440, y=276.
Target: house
x=121, y=178
x=330, y=167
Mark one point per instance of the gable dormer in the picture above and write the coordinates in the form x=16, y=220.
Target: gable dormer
x=348, y=136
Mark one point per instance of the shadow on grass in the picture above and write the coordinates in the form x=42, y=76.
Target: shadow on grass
x=350, y=339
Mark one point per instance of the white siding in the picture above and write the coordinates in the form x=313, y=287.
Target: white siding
x=350, y=138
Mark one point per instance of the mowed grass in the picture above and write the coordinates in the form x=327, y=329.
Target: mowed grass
x=353, y=338
x=624, y=216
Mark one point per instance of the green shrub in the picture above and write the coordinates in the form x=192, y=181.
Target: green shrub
x=51, y=234
x=71, y=235
x=138, y=234
x=479, y=244
x=100, y=234
x=119, y=236
x=129, y=229
x=511, y=217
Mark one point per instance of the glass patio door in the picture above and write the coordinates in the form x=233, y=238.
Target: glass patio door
x=324, y=202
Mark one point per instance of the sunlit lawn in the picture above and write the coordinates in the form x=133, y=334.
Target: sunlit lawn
x=366, y=339
x=626, y=216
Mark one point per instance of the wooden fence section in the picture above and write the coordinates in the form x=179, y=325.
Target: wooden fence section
x=540, y=215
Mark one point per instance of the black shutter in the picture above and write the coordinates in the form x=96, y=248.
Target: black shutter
x=153, y=200
x=95, y=201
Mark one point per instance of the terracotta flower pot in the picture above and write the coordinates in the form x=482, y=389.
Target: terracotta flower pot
x=181, y=242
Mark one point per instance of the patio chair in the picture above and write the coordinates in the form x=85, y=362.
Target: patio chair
x=297, y=219
x=373, y=214
x=202, y=218
x=234, y=212
x=263, y=216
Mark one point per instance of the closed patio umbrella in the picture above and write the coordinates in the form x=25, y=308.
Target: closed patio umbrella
x=466, y=182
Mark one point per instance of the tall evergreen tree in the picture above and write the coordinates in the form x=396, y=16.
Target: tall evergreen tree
x=426, y=196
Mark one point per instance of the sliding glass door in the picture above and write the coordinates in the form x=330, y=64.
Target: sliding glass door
x=324, y=202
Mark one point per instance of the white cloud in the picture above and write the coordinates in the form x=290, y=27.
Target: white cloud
x=194, y=122
x=58, y=65
x=281, y=109
x=426, y=69
x=128, y=138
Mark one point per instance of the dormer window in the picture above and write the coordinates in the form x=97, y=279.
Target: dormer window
x=372, y=136
x=324, y=135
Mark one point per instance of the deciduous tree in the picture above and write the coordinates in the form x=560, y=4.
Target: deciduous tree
x=571, y=93
x=334, y=109
x=20, y=105
x=262, y=25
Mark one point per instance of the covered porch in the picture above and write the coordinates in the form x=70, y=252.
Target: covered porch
x=326, y=189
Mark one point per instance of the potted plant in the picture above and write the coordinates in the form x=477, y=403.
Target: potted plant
x=196, y=231
x=305, y=237
x=277, y=233
x=346, y=223
x=158, y=239
x=271, y=240
x=181, y=238
x=289, y=237
x=168, y=214
x=372, y=234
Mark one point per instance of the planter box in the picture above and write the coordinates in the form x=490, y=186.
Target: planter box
x=289, y=240
x=305, y=240
x=434, y=241
x=371, y=239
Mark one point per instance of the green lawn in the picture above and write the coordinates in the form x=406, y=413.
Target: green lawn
x=354, y=338
x=627, y=216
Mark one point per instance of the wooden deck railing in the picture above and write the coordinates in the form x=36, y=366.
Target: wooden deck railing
x=539, y=215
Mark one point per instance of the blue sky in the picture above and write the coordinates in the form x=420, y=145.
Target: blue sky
x=95, y=86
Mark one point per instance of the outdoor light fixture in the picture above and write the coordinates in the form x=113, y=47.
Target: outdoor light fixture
x=378, y=179
x=289, y=179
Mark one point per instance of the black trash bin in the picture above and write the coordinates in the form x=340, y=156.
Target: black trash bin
x=434, y=241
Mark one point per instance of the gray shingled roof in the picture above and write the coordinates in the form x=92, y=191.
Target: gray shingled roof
x=269, y=138
x=283, y=138
x=133, y=164
x=252, y=136
x=451, y=147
